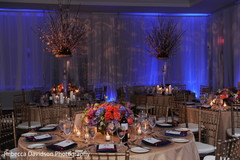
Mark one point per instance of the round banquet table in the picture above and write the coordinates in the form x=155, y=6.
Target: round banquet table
x=173, y=151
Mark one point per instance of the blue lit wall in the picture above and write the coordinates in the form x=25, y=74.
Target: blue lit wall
x=188, y=65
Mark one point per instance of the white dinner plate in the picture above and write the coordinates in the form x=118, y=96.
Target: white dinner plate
x=190, y=103
x=139, y=150
x=180, y=140
x=36, y=146
x=165, y=124
x=51, y=125
x=28, y=134
x=182, y=129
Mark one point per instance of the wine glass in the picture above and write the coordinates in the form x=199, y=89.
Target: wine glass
x=121, y=131
x=111, y=129
x=67, y=128
x=92, y=131
x=144, y=127
x=152, y=121
x=61, y=124
x=135, y=125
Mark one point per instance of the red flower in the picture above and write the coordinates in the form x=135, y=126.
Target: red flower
x=130, y=120
x=108, y=116
x=109, y=108
x=116, y=115
x=115, y=109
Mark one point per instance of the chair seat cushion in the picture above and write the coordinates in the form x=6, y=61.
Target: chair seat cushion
x=163, y=120
x=141, y=107
x=12, y=155
x=191, y=126
x=204, y=148
x=210, y=157
x=237, y=132
x=33, y=124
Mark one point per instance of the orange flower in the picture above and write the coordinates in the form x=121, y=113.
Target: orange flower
x=115, y=109
x=116, y=115
x=109, y=108
x=130, y=120
x=108, y=115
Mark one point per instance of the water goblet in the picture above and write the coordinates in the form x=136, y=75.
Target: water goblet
x=67, y=128
x=121, y=131
x=92, y=131
x=152, y=121
x=111, y=129
x=144, y=127
x=61, y=124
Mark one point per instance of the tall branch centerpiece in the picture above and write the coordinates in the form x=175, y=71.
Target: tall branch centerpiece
x=163, y=40
x=63, y=31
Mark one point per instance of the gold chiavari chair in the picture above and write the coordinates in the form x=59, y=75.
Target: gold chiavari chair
x=49, y=115
x=144, y=103
x=204, y=89
x=226, y=150
x=23, y=118
x=1, y=110
x=8, y=135
x=180, y=86
x=162, y=110
x=104, y=156
x=234, y=131
x=183, y=118
x=207, y=131
x=99, y=94
x=76, y=107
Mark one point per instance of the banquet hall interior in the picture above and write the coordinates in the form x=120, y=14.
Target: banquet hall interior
x=134, y=80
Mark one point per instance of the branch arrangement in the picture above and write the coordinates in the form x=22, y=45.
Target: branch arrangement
x=164, y=39
x=63, y=32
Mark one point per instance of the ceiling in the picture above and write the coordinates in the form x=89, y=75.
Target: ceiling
x=144, y=6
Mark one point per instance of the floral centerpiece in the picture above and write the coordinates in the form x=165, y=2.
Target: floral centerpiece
x=228, y=95
x=60, y=88
x=101, y=114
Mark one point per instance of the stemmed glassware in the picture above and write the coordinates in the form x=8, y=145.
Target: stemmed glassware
x=92, y=130
x=121, y=131
x=111, y=129
x=67, y=128
x=152, y=121
x=144, y=127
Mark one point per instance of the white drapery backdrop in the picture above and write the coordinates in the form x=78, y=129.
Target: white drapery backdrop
x=224, y=48
x=115, y=55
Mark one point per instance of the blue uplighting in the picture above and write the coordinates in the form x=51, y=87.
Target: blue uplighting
x=21, y=10
x=170, y=14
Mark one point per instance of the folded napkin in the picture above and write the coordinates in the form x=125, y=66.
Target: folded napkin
x=106, y=148
x=176, y=133
x=45, y=129
x=168, y=124
x=38, y=138
x=63, y=145
x=156, y=142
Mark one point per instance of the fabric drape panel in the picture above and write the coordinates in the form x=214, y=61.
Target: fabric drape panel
x=115, y=54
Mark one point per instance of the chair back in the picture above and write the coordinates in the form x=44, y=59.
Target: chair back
x=180, y=96
x=228, y=149
x=1, y=110
x=105, y=156
x=182, y=113
x=180, y=86
x=7, y=131
x=208, y=126
x=49, y=115
x=22, y=113
x=99, y=94
x=161, y=109
x=235, y=117
x=204, y=89
x=76, y=107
